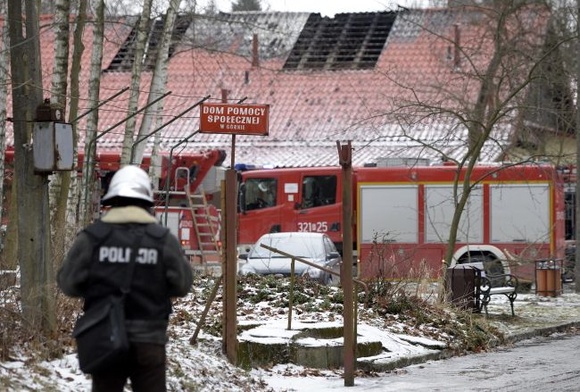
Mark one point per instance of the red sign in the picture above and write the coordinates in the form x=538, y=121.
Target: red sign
x=234, y=119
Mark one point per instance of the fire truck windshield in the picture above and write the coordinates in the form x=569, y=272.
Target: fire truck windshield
x=259, y=193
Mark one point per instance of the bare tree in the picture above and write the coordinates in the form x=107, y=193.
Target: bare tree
x=158, y=82
x=84, y=196
x=577, y=212
x=61, y=52
x=58, y=97
x=142, y=34
x=36, y=269
x=211, y=8
x=3, y=95
x=87, y=191
x=489, y=85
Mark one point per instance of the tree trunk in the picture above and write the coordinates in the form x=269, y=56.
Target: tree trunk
x=142, y=34
x=68, y=189
x=480, y=126
x=36, y=269
x=159, y=81
x=58, y=181
x=577, y=220
x=70, y=193
x=5, y=263
x=87, y=191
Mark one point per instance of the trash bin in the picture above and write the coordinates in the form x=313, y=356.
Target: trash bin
x=463, y=284
x=549, y=278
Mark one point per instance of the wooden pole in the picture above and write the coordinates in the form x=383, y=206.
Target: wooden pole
x=345, y=159
x=230, y=270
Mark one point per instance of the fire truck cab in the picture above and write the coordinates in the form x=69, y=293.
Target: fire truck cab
x=281, y=200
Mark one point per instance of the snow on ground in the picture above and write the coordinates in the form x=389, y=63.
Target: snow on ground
x=203, y=367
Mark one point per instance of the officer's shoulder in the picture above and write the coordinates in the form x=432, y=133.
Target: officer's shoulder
x=98, y=229
x=156, y=230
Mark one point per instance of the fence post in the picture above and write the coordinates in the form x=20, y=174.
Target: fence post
x=291, y=298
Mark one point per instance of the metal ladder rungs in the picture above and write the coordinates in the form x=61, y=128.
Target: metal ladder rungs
x=206, y=244
x=203, y=218
x=205, y=252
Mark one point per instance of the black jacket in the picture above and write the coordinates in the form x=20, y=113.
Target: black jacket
x=96, y=267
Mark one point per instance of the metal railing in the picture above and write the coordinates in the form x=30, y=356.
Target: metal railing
x=293, y=275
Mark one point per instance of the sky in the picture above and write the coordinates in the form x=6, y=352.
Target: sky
x=329, y=7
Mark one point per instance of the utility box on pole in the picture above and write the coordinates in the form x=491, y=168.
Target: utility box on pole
x=52, y=146
x=52, y=140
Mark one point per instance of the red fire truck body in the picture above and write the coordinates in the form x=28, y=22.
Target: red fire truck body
x=183, y=198
x=402, y=215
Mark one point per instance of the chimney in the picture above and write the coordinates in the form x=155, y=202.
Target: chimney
x=225, y=93
x=457, y=53
x=255, y=56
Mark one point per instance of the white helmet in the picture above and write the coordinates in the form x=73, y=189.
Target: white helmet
x=130, y=182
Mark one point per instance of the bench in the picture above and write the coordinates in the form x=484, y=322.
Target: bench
x=493, y=284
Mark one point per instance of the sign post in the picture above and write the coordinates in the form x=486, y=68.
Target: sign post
x=233, y=119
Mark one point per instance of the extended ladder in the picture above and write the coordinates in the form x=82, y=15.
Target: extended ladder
x=206, y=226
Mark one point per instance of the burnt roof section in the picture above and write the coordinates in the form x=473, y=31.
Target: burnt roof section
x=123, y=60
x=224, y=32
x=347, y=41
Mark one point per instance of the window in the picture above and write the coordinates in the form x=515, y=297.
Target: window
x=439, y=210
x=394, y=217
x=520, y=213
x=260, y=193
x=318, y=191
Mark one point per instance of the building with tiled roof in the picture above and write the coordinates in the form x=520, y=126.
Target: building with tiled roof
x=395, y=83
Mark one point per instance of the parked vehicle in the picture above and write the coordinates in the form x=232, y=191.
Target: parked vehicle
x=314, y=247
x=402, y=214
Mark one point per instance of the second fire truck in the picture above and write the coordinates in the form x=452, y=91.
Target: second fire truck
x=402, y=215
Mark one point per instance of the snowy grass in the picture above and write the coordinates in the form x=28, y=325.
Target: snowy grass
x=399, y=315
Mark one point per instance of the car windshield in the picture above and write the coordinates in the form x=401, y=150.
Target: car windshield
x=305, y=247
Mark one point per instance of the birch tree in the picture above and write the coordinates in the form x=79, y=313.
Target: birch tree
x=142, y=34
x=59, y=83
x=158, y=82
x=86, y=193
x=58, y=96
x=63, y=184
x=577, y=211
x=7, y=262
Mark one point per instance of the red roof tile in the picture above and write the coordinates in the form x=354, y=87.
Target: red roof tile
x=309, y=110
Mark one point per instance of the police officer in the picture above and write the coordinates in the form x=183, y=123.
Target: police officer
x=96, y=267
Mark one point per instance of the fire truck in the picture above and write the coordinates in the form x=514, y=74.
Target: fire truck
x=186, y=197
x=402, y=215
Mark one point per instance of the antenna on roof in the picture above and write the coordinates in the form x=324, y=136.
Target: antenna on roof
x=456, y=53
x=255, y=52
